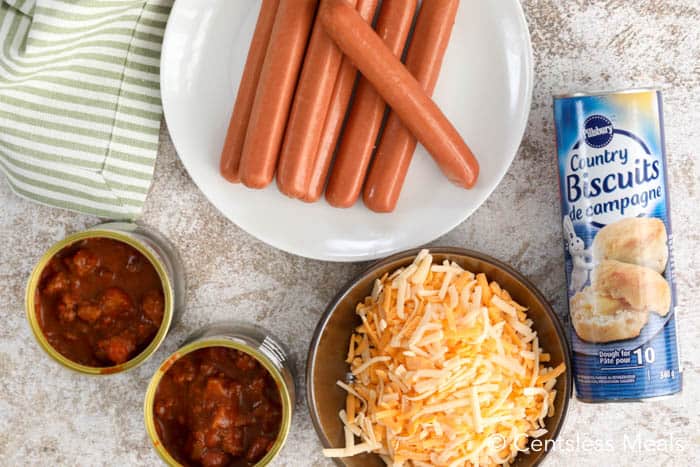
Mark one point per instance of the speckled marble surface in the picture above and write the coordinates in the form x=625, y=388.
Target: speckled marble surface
x=49, y=416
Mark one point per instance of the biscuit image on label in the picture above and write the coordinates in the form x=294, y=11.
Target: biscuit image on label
x=617, y=304
x=599, y=318
x=643, y=289
x=637, y=240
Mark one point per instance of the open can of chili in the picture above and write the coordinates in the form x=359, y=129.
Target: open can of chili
x=101, y=301
x=225, y=397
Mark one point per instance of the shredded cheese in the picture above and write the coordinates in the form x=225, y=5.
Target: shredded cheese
x=443, y=362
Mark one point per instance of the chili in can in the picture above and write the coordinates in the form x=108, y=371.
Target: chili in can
x=101, y=301
x=225, y=397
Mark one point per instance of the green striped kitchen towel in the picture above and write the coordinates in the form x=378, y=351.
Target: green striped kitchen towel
x=80, y=106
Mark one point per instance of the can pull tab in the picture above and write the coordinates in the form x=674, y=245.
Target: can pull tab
x=273, y=351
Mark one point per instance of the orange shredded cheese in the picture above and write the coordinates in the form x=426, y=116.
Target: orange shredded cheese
x=447, y=371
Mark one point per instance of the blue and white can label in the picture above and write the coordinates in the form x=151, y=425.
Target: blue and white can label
x=618, y=245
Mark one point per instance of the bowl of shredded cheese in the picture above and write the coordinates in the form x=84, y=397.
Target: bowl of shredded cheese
x=438, y=358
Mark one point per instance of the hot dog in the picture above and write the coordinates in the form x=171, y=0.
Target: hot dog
x=273, y=97
x=331, y=131
x=308, y=114
x=235, y=137
x=336, y=115
x=397, y=145
x=401, y=91
x=365, y=118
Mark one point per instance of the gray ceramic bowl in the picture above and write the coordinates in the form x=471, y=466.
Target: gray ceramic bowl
x=326, y=360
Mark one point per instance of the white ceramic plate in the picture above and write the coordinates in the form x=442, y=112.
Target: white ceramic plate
x=485, y=89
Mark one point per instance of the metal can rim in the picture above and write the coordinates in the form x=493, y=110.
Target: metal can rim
x=619, y=400
x=605, y=93
x=33, y=282
x=285, y=395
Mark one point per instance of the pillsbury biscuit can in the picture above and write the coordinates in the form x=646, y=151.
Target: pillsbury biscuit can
x=617, y=242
